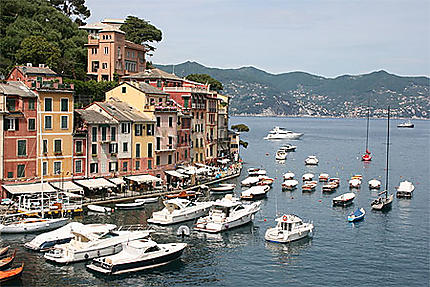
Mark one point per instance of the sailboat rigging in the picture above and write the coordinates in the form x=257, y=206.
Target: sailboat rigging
x=383, y=202
x=367, y=156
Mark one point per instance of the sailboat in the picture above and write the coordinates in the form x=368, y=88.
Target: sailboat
x=367, y=156
x=384, y=202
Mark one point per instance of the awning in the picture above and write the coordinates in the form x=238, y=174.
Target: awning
x=223, y=161
x=68, y=186
x=205, y=166
x=143, y=178
x=72, y=195
x=116, y=180
x=174, y=173
x=202, y=170
x=30, y=188
x=95, y=183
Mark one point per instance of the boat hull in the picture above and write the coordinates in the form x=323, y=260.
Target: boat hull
x=343, y=202
x=47, y=225
x=223, y=226
x=84, y=255
x=173, y=219
x=287, y=238
x=384, y=204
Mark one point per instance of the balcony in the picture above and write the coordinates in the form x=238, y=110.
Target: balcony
x=51, y=85
x=187, y=90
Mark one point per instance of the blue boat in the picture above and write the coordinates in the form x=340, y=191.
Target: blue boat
x=357, y=215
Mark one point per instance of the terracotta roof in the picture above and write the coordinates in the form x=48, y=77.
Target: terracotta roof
x=148, y=89
x=154, y=74
x=123, y=111
x=94, y=117
x=16, y=88
x=102, y=27
x=46, y=71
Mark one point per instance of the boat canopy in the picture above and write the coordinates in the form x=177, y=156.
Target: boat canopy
x=143, y=178
x=288, y=218
x=30, y=188
x=291, y=182
x=174, y=173
x=223, y=161
x=95, y=183
x=117, y=180
x=67, y=186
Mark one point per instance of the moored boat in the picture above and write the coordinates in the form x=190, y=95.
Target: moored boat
x=227, y=213
x=183, y=194
x=290, y=184
x=130, y=205
x=223, y=187
x=4, y=250
x=281, y=155
x=98, y=208
x=405, y=189
x=249, y=181
x=354, y=183
x=278, y=133
x=308, y=176
x=407, y=124
x=288, y=147
x=7, y=261
x=11, y=274
x=344, y=199
x=357, y=215
x=178, y=210
x=289, y=228
x=147, y=200
x=288, y=175
x=311, y=160
x=255, y=192
x=137, y=255
x=309, y=186
x=29, y=225
x=323, y=177
x=255, y=171
x=374, y=184
x=265, y=180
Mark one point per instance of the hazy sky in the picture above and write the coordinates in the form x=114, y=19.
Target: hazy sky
x=327, y=38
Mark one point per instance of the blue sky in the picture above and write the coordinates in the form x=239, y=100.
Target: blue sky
x=327, y=38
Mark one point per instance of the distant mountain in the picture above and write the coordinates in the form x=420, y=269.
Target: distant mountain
x=256, y=92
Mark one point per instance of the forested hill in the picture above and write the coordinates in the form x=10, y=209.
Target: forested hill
x=256, y=92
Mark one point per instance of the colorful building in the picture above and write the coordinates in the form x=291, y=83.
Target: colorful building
x=109, y=53
x=211, y=128
x=223, y=141
x=30, y=75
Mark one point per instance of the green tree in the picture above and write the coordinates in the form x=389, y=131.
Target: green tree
x=240, y=128
x=74, y=9
x=243, y=143
x=37, y=50
x=140, y=31
x=206, y=79
x=21, y=19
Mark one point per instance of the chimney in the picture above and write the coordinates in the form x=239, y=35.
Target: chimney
x=41, y=65
x=29, y=65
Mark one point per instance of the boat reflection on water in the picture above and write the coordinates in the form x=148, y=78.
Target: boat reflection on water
x=232, y=238
x=287, y=253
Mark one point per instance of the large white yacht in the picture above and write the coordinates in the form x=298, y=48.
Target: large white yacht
x=279, y=133
x=136, y=256
x=289, y=228
x=227, y=213
x=179, y=210
x=47, y=240
x=85, y=246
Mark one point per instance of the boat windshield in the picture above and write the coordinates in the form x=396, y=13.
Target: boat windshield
x=152, y=249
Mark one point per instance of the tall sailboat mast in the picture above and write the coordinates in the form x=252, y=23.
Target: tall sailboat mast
x=367, y=127
x=388, y=148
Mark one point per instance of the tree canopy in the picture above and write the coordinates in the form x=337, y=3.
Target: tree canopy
x=74, y=9
x=206, y=79
x=240, y=128
x=140, y=31
x=23, y=20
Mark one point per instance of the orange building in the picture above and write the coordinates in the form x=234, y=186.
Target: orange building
x=110, y=54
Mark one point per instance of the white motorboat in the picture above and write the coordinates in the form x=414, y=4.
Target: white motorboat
x=278, y=133
x=311, y=160
x=85, y=246
x=223, y=187
x=405, y=189
x=136, y=256
x=227, y=213
x=374, y=184
x=281, y=155
x=29, y=225
x=288, y=175
x=308, y=176
x=344, y=199
x=131, y=205
x=354, y=183
x=407, y=124
x=99, y=208
x=256, y=171
x=249, y=181
x=265, y=180
x=179, y=210
x=255, y=192
x=309, y=185
x=288, y=147
x=323, y=177
x=147, y=200
x=47, y=240
x=289, y=228
x=290, y=184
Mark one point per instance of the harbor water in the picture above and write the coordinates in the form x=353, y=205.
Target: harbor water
x=386, y=249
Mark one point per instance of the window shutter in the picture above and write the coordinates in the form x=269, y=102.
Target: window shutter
x=17, y=124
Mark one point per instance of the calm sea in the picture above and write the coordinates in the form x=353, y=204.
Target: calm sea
x=386, y=249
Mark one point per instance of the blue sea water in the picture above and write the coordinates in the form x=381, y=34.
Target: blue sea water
x=386, y=249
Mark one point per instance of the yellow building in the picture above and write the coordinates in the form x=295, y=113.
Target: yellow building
x=55, y=133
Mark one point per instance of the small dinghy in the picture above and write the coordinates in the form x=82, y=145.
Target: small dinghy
x=323, y=177
x=311, y=160
x=183, y=194
x=357, y=215
x=405, y=189
x=309, y=186
x=7, y=261
x=4, y=250
x=99, y=208
x=11, y=274
x=147, y=200
x=255, y=192
x=308, y=177
x=288, y=147
x=290, y=184
x=281, y=155
x=256, y=171
x=374, y=184
x=223, y=187
x=344, y=199
x=288, y=175
x=131, y=205
x=354, y=183
x=265, y=180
